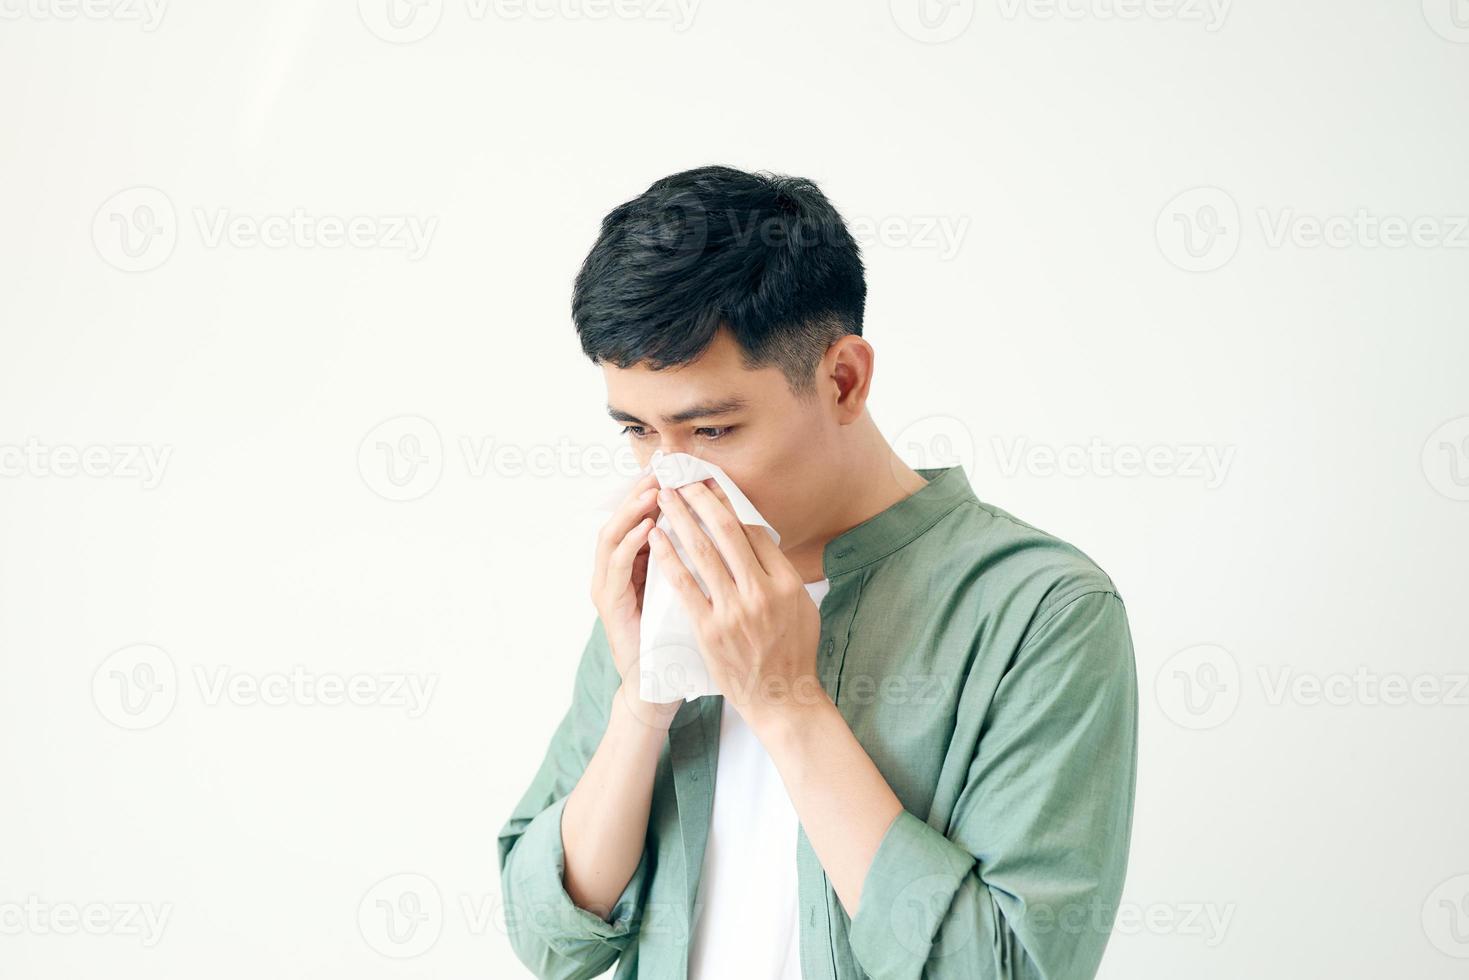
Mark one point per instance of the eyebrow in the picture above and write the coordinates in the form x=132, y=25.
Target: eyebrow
x=703, y=410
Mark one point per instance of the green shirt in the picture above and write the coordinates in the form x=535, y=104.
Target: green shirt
x=987, y=669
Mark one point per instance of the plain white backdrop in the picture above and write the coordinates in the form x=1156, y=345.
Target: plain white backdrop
x=297, y=440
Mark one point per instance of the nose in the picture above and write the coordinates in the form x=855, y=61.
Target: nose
x=668, y=445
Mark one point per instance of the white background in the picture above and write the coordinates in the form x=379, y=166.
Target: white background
x=1015, y=174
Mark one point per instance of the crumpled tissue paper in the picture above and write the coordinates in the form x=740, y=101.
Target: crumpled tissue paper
x=671, y=664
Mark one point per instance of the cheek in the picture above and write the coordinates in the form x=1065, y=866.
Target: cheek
x=750, y=474
x=762, y=490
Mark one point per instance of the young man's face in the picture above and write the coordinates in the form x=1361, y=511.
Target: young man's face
x=774, y=446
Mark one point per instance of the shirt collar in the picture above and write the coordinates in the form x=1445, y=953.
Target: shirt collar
x=890, y=529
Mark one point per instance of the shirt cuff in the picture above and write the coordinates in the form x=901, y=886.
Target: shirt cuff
x=906, y=895
x=539, y=896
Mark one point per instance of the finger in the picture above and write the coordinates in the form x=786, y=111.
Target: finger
x=695, y=602
x=698, y=546
x=622, y=559
x=640, y=501
x=771, y=558
x=728, y=532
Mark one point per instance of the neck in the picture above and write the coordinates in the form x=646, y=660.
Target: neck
x=881, y=479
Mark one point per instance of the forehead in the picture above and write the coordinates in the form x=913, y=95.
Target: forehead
x=715, y=384
x=674, y=395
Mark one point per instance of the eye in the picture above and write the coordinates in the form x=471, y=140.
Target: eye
x=711, y=433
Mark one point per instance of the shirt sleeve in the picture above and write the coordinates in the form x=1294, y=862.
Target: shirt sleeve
x=554, y=937
x=1025, y=880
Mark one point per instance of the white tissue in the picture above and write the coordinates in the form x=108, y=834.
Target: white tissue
x=671, y=663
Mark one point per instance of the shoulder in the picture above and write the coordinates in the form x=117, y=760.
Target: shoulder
x=1000, y=546
x=1016, y=569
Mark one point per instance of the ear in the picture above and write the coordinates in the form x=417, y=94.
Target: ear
x=846, y=371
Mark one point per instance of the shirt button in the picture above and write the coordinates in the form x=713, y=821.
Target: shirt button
x=830, y=645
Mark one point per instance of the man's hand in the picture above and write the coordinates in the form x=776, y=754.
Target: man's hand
x=619, y=574
x=758, y=627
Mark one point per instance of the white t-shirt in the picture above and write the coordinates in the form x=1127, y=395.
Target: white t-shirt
x=749, y=921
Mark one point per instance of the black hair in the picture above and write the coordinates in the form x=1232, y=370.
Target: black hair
x=763, y=254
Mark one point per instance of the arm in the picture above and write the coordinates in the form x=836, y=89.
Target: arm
x=844, y=803
x=604, y=826
x=1024, y=881
x=580, y=831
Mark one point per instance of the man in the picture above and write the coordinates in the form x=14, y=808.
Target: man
x=923, y=763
